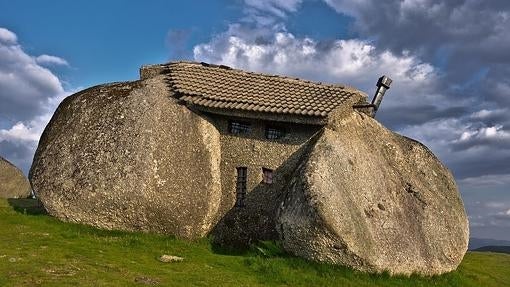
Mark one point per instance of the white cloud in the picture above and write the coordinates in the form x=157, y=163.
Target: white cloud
x=29, y=94
x=25, y=86
x=30, y=131
x=486, y=113
x=484, y=181
x=7, y=37
x=352, y=61
x=479, y=138
x=51, y=60
x=20, y=132
x=496, y=205
x=494, y=132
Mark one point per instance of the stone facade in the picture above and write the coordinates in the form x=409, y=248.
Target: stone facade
x=255, y=220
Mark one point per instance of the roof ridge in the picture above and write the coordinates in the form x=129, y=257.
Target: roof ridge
x=283, y=77
x=221, y=87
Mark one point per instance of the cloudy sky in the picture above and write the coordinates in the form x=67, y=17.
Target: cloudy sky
x=449, y=60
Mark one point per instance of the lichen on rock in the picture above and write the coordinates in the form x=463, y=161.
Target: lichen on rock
x=127, y=156
x=374, y=200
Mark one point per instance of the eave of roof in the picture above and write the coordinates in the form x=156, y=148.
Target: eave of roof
x=217, y=88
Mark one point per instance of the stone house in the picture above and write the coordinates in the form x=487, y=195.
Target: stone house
x=195, y=149
x=265, y=122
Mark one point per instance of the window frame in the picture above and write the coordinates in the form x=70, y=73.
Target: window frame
x=241, y=186
x=267, y=175
x=239, y=127
x=274, y=132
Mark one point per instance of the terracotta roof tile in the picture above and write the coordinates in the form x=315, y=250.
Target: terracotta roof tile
x=222, y=87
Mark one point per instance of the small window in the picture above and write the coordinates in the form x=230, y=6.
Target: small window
x=273, y=133
x=239, y=127
x=267, y=175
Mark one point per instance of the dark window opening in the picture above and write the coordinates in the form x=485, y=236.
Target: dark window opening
x=238, y=127
x=273, y=133
x=267, y=175
x=242, y=174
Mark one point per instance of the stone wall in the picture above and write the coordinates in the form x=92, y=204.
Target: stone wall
x=149, y=71
x=255, y=221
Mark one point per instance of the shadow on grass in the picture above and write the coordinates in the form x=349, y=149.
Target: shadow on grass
x=27, y=206
x=267, y=248
x=228, y=250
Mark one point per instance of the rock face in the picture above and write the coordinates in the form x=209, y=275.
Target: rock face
x=127, y=156
x=373, y=200
x=13, y=184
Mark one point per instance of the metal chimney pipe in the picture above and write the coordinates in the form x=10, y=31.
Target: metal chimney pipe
x=383, y=84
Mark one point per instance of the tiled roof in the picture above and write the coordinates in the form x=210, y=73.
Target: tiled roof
x=221, y=87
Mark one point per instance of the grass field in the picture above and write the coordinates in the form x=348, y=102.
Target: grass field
x=37, y=250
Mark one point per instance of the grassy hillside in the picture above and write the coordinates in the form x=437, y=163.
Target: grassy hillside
x=37, y=250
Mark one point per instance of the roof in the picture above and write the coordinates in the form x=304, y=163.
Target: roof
x=221, y=87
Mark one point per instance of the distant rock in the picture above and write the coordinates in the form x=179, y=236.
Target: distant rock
x=13, y=183
x=376, y=201
x=127, y=156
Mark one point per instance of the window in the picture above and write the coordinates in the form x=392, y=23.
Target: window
x=267, y=175
x=242, y=174
x=273, y=133
x=238, y=127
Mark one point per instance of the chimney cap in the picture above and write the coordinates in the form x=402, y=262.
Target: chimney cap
x=384, y=81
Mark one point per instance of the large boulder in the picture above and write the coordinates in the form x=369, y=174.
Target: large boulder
x=127, y=156
x=13, y=183
x=374, y=200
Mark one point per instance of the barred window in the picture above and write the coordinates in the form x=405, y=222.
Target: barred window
x=242, y=176
x=267, y=175
x=239, y=127
x=274, y=133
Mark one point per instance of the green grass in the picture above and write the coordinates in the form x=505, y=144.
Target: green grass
x=38, y=250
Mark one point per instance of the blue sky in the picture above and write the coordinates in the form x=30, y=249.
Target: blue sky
x=449, y=61
x=108, y=40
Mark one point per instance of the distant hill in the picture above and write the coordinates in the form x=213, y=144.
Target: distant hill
x=499, y=249
x=475, y=243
